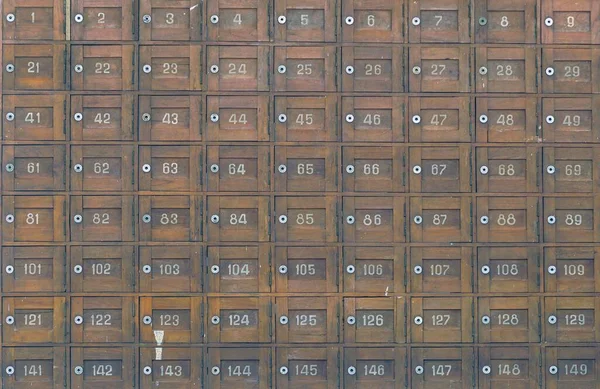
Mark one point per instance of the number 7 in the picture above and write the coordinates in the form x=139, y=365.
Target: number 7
x=439, y=19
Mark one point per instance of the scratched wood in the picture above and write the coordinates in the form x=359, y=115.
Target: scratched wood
x=300, y=194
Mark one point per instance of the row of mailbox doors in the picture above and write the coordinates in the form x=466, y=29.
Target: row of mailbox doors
x=364, y=169
x=301, y=119
x=260, y=269
x=300, y=219
x=397, y=319
x=301, y=367
x=455, y=69
x=397, y=21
